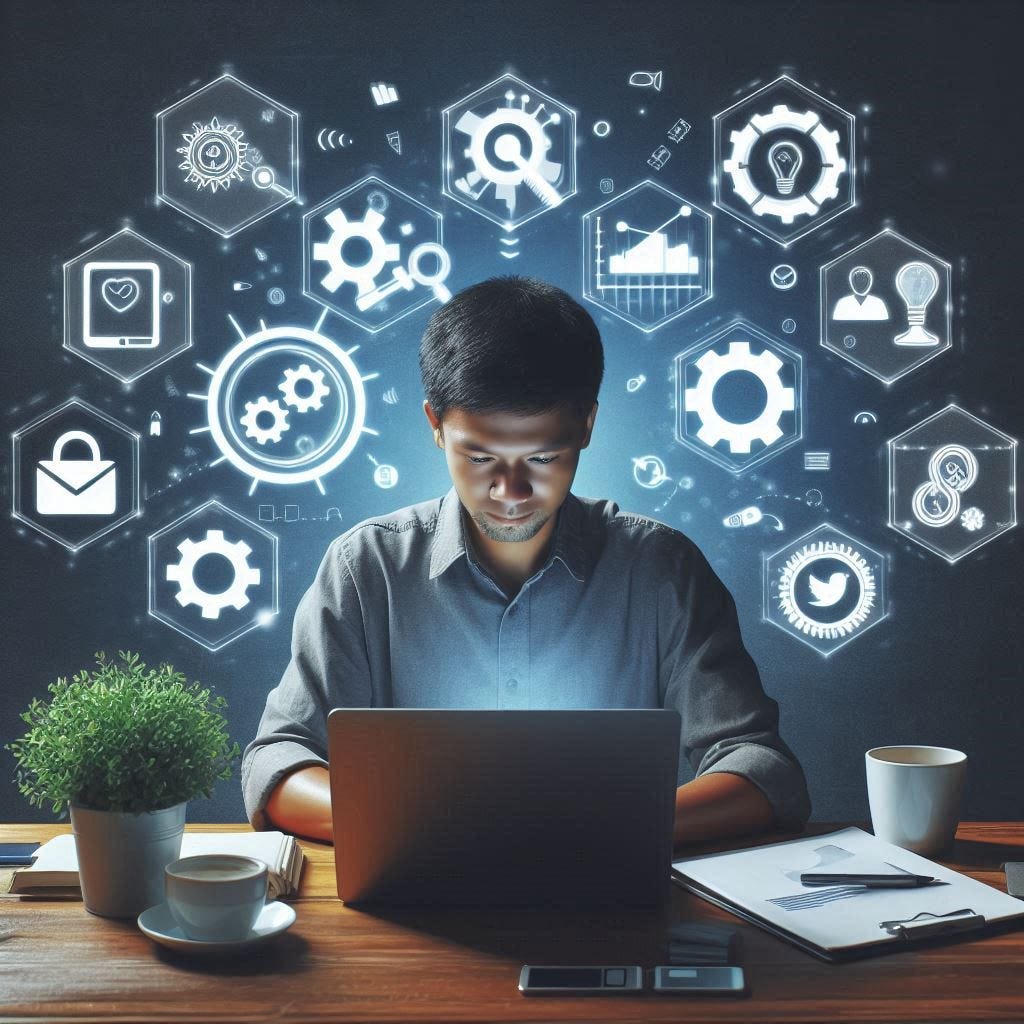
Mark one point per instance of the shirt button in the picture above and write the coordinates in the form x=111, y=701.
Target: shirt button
x=512, y=684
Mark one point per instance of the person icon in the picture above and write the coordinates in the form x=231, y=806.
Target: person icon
x=861, y=304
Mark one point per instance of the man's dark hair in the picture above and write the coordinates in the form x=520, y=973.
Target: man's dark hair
x=511, y=344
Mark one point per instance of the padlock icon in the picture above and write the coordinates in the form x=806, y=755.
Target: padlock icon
x=76, y=487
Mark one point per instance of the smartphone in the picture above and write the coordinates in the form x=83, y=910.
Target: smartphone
x=699, y=980
x=17, y=853
x=580, y=980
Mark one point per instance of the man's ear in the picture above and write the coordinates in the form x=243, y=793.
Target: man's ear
x=435, y=423
x=589, y=429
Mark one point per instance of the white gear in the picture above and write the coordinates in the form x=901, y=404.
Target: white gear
x=183, y=573
x=972, y=519
x=251, y=420
x=714, y=428
x=315, y=378
x=342, y=229
x=787, y=210
x=818, y=551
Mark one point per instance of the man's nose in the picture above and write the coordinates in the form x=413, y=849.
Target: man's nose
x=511, y=485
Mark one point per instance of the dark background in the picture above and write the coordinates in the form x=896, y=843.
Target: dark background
x=936, y=89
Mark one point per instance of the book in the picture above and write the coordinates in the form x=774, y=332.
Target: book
x=762, y=885
x=54, y=872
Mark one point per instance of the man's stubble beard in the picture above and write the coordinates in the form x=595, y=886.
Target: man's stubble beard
x=526, y=530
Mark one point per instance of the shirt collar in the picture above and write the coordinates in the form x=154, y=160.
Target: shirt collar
x=568, y=545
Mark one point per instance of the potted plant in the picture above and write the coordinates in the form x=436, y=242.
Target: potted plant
x=125, y=747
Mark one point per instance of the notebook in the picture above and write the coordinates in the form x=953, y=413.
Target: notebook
x=762, y=885
x=55, y=869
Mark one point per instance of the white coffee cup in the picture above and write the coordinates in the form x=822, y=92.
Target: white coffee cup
x=915, y=794
x=216, y=896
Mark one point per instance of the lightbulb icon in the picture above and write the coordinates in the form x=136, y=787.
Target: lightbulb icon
x=917, y=284
x=785, y=159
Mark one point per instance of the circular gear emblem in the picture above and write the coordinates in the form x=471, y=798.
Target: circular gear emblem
x=286, y=405
x=213, y=155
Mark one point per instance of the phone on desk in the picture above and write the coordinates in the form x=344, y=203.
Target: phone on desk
x=17, y=853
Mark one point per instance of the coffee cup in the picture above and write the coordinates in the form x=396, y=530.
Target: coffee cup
x=216, y=897
x=915, y=794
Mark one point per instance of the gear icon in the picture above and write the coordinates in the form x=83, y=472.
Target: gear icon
x=833, y=165
x=183, y=573
x=330, y=252
x=779, y=398
x=214, y=155
x=972, y=519
x=826, y=550
x=251, y=420
x=315, y=379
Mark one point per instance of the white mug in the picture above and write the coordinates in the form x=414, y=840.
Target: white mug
x=215, y=896
x=915, y=794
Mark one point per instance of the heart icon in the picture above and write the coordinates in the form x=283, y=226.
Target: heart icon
x=120, y=293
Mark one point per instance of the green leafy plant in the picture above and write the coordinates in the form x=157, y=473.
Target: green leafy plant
x=123, y=737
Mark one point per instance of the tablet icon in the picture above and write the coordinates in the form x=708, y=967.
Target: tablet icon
x=121, y=305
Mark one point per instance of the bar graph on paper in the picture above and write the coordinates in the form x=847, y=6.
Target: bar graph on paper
x=648, y=273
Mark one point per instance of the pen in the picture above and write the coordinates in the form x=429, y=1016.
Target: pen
x=871, y=881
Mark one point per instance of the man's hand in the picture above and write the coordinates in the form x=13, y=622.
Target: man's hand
x=718, y=805
x=301, y=803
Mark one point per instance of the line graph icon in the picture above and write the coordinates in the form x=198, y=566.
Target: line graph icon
x=647, y=255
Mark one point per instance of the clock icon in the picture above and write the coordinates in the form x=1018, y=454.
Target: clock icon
x=783, y=277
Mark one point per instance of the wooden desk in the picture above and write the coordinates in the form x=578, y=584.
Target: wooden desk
x=58, y=962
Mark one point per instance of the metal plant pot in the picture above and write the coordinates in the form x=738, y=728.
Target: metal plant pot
x=122, y=856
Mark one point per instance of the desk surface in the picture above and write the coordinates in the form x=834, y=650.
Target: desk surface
x=336, y=963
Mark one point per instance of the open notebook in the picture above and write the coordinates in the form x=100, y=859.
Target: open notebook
x=762, y=885
x=55, y=869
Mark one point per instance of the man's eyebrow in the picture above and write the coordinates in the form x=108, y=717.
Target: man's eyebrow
x=550, y=446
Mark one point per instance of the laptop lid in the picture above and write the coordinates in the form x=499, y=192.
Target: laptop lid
x=565, y=808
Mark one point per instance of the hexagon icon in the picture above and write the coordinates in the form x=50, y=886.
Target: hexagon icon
x=739, y=397
x=886, y=306
x=509, y=152
x=227, y=155
x=952, y=483
x=825, y=589
x=75, y=474
x=127, y=305
x=213, y=575
x=373, y=254
x=784, y=160
x=647, y=255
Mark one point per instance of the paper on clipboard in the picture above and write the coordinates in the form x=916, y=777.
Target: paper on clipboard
x=765, y=882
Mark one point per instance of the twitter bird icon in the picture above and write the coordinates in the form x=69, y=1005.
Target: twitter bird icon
x=828, y=592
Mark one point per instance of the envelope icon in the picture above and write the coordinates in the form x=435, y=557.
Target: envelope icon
x=76, y=487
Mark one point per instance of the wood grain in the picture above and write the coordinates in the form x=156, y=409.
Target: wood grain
x=58, y=962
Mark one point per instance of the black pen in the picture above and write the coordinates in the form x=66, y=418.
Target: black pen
x=907, y=881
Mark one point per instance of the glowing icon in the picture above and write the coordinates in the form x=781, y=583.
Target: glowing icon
x=276, y=296
x=331, y=138
x=76, y=487
x=155, y=423
x=825, y=589
x=646, y=80
x=509, y=152
x=785, y=159
x=120, y=288
x=659, y=158
x=649, y=471
x=634, y=384
x=383, y=94
x=647, y=255
x=917, y=284
x=935, y=468
x=860, y=304
x=678, y=131
x=385, y=476
x=214, y=155
x=952, y=469
x=390, y=396
x=607, y=186
x=750, y=516
x=738, y=397
x=817, y=460
x=789, y=325
x=214, y=544
x=864, y=416
x=395, y=141
x=602, y=129
x=783, y=277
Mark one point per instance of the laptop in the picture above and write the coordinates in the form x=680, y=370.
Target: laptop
x=554, y=808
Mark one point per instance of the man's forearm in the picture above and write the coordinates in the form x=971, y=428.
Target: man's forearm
x=719, y=805
x=301, y=803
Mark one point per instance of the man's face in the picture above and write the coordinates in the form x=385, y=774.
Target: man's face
x=511, y=472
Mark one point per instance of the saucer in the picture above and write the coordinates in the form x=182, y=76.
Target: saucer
x=158, y=923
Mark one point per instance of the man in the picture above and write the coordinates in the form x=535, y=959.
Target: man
x=511, y=592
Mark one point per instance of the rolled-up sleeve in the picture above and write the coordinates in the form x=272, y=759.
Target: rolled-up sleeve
x=328, y=669
x=729, y=724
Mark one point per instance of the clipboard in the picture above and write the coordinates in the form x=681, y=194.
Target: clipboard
x=845, y=922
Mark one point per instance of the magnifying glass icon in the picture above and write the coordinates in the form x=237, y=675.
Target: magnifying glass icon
x=434, y=281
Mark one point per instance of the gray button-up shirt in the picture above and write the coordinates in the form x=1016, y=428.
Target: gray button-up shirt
x=625, y=613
